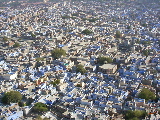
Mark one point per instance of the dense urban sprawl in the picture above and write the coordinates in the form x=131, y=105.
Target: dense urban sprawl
x=80, y=60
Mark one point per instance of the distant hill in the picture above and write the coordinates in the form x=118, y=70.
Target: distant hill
x=75, y=0
x=3, y=2
x=21, y=0
x=35, y=1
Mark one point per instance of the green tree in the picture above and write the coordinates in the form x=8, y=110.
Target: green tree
x=5, y=39
x=134, y=115
x=129, y=114
x=114, y=20
x=135, y=118
x=39, y=59
x=38, y=64
x=12, y=96
x=38, y=118
x=147, y=94
x=65, y=17
x=92, y=20
x=137, y=41
x=128, y=27
x=146, y=42
x=81, y=69
x=86, y=32
x=75, y=14
x=84, y=19
x=33, y=35
x=144, y=24
x=146, y=52
x=55, y=83
x=46, y=118
x=159, y=111
x=79, y=85
x=29, y=101
x=57, y=53
x=118, y=34
x=16, y=44
x=40, y=107
x=101, y=60
x=21, y=104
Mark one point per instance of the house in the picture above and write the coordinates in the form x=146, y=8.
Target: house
x=10, y=76
x=62, y=86
x=12, y=112
x=108, y=68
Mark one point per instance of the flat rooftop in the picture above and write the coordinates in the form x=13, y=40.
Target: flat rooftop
x=107, y=66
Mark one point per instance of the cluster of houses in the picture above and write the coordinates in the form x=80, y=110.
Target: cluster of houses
x=101, y=93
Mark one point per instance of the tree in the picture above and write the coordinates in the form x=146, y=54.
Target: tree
x=79, y=85
x=46, y=118
x=75, y=14
x=86, y=32
x=146, y=42
x=81, y=69
x=137, y=41
x=129, y=114
x=84, y=19
x=21, y=104
x=92, y=20
x=16, y=44
x=65, y=17
x=144, y=24
x=5, y=39
x=159, y=111
x=135, y=118
x=118, y=34
x=38, y=64
x=147, y=94
x=135, y=115
x=101, y=60
x=55, y=83
x=29, y=101
x=146, y=52
x=12, y=96
x=40, y=107
x=33, y=35
x=38, y=118
x=128, y=27
x=57, y=53
x=114, y=20
x=39, y=59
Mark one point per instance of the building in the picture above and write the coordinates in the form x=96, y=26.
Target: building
x=108, y=68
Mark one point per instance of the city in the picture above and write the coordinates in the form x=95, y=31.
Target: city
x=80, y=60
